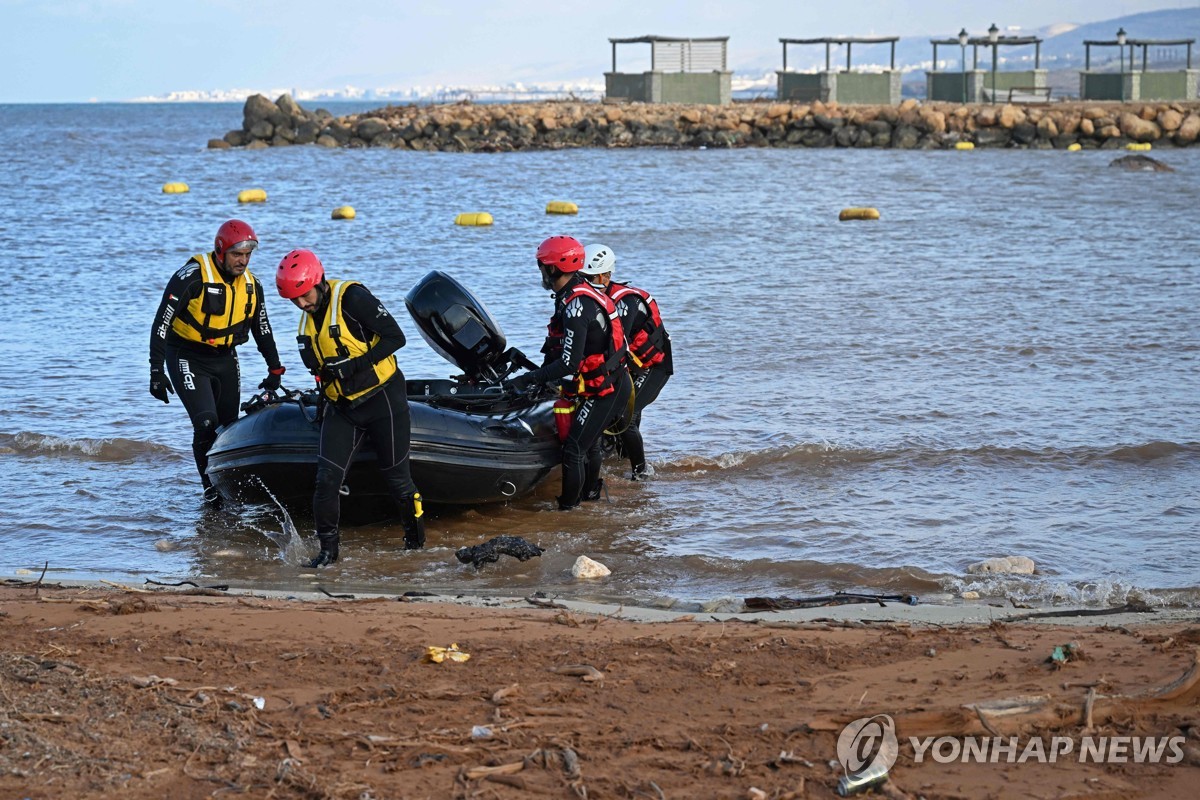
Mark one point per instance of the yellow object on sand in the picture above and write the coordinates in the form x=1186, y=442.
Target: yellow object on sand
x=437, y=655
x=343, y=212
x=473, y=218
x=252, y=196
x=177, y=187
x=561, y=207
x=858, y=213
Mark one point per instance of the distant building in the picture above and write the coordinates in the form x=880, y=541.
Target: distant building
x=993, y=85
x=681, y=71
x=1130, y=83
x=845, y=86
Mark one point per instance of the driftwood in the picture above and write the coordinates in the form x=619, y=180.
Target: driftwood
x=1008, y=716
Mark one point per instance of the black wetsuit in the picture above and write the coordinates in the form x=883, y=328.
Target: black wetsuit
x=585, y=327
x=381, y=416
x=206, y=378
x=647, y=383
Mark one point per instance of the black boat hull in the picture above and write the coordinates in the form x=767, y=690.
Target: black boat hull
x=480, y=452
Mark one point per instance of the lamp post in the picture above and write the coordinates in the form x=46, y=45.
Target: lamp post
x=962, y=60
x=993, y=37
x=1121, y=47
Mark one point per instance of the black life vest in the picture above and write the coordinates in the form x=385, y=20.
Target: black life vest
x=597, y=370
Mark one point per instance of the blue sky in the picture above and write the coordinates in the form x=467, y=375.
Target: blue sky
x=80, y=50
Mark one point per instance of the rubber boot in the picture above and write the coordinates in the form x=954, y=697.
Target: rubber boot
x=329, y=550
x=596, y=492
x=412, y=517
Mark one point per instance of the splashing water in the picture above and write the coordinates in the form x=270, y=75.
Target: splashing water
x=288, y=540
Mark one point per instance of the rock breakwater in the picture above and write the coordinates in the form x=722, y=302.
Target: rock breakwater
x=467, y=127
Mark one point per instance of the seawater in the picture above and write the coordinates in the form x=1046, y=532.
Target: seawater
x=1006, y=363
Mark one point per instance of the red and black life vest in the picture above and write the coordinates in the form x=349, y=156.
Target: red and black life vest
x=596, y=371
x=646, y=345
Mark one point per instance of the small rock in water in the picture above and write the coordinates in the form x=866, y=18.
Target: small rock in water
x=1141, y=163
x=165, y=545
x=1009, y=565
x=585, y=567
x=970, y=595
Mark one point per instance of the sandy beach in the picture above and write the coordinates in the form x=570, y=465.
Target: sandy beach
x=180, y=692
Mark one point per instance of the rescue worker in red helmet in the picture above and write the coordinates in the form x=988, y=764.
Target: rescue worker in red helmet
x=585, y=355
x=210, y=306
x=348, y=340
x=650, y=364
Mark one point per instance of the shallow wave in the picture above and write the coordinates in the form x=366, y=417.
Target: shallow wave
x=828, y=455
x=27, y=443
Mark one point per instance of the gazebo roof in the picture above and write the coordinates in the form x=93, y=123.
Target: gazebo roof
x=844, y=40
x=652, y=39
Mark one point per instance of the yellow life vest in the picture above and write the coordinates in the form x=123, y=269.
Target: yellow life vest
x=334, y=341
x=222, y=314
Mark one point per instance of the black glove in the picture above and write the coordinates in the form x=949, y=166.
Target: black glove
x=160, y=384
x=274, y=377
x=517, y=385
x=339, y=369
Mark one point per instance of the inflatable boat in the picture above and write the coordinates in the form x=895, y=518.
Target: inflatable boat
x=472, y=443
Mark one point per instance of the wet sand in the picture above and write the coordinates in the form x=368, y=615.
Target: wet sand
x=115, y=692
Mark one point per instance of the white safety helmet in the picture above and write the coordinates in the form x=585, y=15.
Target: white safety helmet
x=598, y=259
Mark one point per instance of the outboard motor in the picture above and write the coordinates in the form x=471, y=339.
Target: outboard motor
x=458, y=326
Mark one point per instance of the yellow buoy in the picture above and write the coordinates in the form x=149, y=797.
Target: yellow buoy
x=473, y=218
x=252, y=196
x=176, y=188
x=343, y=212
x=858, y=213
x=964, y=145
x=1074, y=146
x=1137, y=146
x=561, y=207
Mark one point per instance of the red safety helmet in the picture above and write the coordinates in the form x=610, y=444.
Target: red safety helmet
x=234, y=235
x=563, y=252
x=299, y=271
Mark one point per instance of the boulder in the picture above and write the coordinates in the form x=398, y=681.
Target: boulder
x=236, y=138
x=585, y=567
x=905, y=137
x=1024, y=133
x=933, y=121
x=1139, y=129
x=1189, y=129
x=218, y=144
x=1170, y=120
x=992, y=137
x=1087, y=127
x=691, y=115
x=1137, y=163
x=369, y=128
x=986, y=118
x=1046, y=129
x=1011, y=116
x=1094, y=113
x=289, y=107
x=262, y=130
x=908, y=105
x=257, y=109
x=1006, y=565
x=325, y=140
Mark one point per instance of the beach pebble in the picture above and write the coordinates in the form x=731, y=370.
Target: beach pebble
x=970, y=595
x=1010, y=565
x=585, y=567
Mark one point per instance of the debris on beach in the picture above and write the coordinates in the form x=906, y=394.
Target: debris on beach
x=837, y=599
x=585, y=567
x=1007, y=565
x=436, y=655
x=492, y=549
